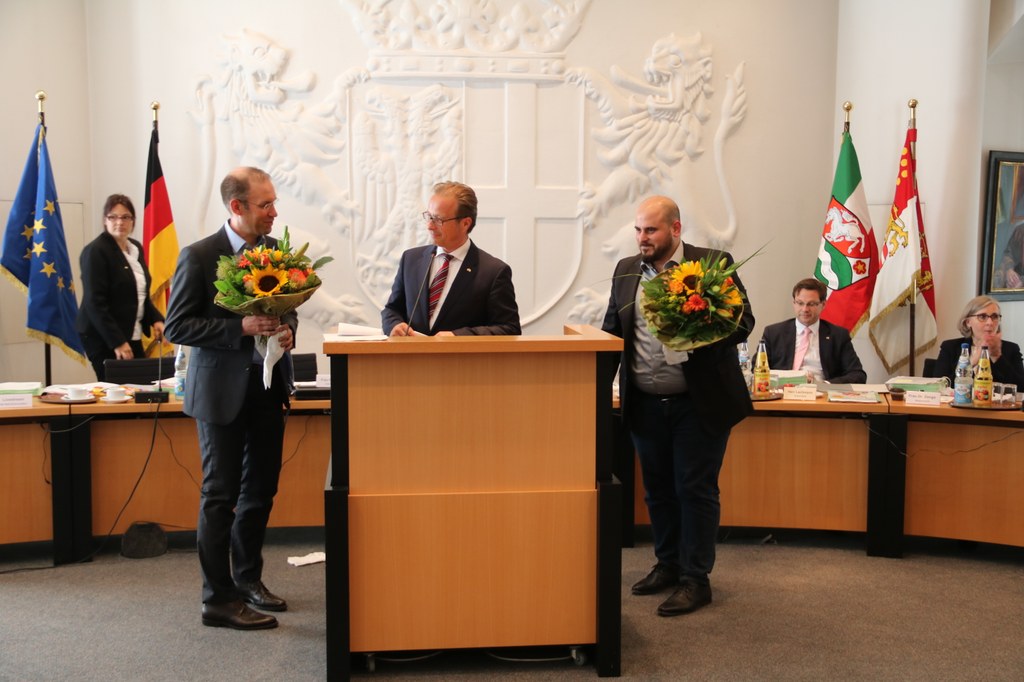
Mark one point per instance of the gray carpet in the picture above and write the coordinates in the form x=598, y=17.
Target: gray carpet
x=807, y=606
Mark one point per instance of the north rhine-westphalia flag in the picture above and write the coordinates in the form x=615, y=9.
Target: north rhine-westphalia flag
x=904, y=262
x=848, y=255
x=35, y=255
x=159, y=240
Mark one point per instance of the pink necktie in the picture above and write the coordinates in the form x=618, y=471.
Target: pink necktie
x=437, y=284
x=801, y=348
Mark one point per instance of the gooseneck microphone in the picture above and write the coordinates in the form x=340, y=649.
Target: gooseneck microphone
x=419, y=294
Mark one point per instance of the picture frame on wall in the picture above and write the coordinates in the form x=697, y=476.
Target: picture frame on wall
x=1002, y=257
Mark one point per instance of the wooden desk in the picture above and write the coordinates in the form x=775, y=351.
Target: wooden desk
x=26, y=501
x=964, y=473
x=802, y=464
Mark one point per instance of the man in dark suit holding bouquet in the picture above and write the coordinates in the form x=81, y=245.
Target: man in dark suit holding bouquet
x=679, y=408
x=239, y=421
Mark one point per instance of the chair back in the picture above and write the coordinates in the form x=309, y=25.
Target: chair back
x=304, y=366
x=138, y=370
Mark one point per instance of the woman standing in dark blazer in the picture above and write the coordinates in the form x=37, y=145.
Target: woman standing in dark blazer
x=116, y=309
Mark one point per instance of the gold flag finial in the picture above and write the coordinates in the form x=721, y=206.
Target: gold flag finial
x=155, y=106
x=912, y=103
x=40, y=98
x=847, y=106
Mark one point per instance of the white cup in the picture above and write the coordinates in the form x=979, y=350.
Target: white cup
x=116, y=393
x=77, y=393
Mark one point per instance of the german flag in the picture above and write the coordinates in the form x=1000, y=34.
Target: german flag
x=160, y=242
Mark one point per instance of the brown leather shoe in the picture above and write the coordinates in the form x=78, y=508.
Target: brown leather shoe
x=659, y=579
x=235, y=614
x=256, y=594
x=688, y=598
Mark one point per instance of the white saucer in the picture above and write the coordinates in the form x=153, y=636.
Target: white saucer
x=68, y=399
x=119, y=400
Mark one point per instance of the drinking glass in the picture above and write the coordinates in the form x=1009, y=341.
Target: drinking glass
x=1010, y=395
x=997, y=394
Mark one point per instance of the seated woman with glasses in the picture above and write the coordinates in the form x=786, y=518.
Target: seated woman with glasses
x=980, y=326
x=116, y=308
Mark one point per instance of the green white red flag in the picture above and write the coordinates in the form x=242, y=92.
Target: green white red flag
x=848, y=255
x=905, y=269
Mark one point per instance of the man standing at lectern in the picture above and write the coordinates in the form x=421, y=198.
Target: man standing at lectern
x=452, y=287
x=239, y=421
x=679, y=414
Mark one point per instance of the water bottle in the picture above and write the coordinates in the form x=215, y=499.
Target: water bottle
x=982, y=394
x=180, y=370
x=963, y=380
x=762, y=374
x=743, y=353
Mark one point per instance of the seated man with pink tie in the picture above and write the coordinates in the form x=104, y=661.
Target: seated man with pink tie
x=807, y=342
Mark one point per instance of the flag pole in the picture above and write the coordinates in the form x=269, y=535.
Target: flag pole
x=847, y=106
x=913, y=280
x=47, y=361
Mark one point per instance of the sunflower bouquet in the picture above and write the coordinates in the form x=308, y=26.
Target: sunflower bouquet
x=267, y=281
x=693, y=304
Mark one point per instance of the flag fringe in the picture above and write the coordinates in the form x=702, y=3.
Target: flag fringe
x=59, y=342
x=13, y=279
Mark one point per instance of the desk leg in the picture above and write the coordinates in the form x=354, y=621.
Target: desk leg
x=625, y=468
x=609, y=579
x=339, y=660
x=71, y=477
x=887, y=475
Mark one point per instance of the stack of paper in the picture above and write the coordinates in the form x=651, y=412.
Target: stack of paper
x=29, y=387
x=852, y=397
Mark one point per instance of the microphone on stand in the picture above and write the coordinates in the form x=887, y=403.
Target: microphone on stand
x=157, y=396
x=419, y=294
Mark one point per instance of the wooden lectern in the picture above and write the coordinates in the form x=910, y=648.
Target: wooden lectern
x=470, y=501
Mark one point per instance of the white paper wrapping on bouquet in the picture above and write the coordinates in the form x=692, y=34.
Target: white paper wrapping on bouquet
x=271, y=350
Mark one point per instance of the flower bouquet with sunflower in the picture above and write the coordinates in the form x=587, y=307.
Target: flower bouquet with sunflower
x=693, y=304
x=267, y=281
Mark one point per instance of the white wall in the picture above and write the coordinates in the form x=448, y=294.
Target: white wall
x=528, y=143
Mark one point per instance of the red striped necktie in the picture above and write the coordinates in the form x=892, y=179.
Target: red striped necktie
x=437, y=284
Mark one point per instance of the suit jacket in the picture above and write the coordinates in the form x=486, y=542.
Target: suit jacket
x=481, y=301
x=712, y=373
x=839, y=361
x=1008, y=369
x=221, y=358
x=110, y=302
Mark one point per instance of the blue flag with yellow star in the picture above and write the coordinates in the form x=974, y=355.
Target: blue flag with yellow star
x=35, y=255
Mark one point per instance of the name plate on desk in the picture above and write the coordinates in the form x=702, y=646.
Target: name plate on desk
x=801, y=392
x=923, y=398
x=15, y=400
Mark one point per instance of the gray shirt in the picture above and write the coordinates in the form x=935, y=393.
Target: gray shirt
x=651, y=372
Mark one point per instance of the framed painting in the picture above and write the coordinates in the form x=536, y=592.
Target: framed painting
x=1002, y=257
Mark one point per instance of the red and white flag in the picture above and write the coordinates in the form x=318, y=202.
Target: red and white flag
x=906, y=270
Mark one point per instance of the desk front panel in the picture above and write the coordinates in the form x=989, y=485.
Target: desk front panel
x=26, y=503
x=169, y=491
x=966, y=480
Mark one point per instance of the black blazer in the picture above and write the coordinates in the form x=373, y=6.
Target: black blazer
x=839, y=361
x=481, y=301
x=110, y=300
x=1008, y=369
x=712, y=373
x=221, y=358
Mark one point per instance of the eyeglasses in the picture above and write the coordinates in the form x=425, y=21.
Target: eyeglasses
x=265, y=206
x=806, y=304
x=120, y=218
x=986, y=317
x=438, y=221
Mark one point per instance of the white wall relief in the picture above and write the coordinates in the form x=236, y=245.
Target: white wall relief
x=654, y=123
x=402, y=145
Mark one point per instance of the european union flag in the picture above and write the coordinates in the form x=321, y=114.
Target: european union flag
x=35, y=256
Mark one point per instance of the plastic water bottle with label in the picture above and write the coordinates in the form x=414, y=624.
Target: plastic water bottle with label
x=743, y=353
x=963, y=379
x=180, y=371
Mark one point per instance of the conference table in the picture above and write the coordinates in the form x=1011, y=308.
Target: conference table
x=78, y=471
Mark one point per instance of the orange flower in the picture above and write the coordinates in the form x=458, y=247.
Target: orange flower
x=675, y=286
x=694, y=304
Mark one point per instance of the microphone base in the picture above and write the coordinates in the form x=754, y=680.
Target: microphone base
x=152, y=397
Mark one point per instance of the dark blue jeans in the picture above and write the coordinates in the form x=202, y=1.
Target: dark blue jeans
x=241, y=468
x=680, y=460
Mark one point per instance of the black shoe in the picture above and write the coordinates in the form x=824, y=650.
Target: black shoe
x=256, y=594
x=688, y=598
x=660, y=578
x=235, y=614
